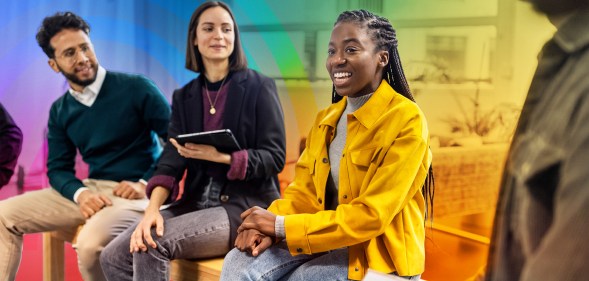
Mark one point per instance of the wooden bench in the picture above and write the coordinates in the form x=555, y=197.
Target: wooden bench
x=182, y=270
x=201, y=270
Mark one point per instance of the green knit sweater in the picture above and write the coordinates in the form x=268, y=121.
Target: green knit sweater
x=116, y=136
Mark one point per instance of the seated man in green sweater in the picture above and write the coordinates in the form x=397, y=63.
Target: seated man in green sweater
x=114, y=121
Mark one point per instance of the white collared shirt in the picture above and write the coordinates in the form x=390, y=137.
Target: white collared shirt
x=90, y=92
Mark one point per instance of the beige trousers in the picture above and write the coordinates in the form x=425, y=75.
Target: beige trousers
x=46, y=210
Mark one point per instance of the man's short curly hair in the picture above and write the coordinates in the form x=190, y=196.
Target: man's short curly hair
x=54, y=24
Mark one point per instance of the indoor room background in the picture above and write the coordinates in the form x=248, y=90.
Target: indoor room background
x=468, y=62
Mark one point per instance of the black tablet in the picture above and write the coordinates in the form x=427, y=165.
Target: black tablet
x=223, y=140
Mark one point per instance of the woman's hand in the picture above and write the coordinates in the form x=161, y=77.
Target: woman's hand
x=201, y=152
x=252, y=241
x=259, y=219
x=142, y=232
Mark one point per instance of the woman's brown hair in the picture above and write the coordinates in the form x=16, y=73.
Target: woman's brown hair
x=237, y=60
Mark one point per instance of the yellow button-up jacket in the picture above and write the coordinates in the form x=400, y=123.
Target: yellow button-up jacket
x=380, y=216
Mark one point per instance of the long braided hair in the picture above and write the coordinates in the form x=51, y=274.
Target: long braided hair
x=385, y=38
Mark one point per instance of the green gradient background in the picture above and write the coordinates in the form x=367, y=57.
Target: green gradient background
x=275, y=50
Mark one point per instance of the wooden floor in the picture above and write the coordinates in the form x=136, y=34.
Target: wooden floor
x=451, y=257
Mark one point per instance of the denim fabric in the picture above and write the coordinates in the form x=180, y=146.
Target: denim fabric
x=276, y=263
x=210, y=196
x=188, y=234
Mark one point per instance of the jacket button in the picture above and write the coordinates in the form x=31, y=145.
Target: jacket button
x=325, y=160
x=320, y=201
x=345, y=196
x=224, y=198
x=356, y=269
x=299, y=250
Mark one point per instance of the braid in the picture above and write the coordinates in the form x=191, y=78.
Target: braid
x=396, y=74
x=385, y=38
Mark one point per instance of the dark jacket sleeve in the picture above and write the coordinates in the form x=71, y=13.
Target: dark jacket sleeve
x=268, y=157
x=171, y=165
x=10, y=145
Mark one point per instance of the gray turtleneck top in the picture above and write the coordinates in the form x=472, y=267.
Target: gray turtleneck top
x=335, y=155
x=339, y=141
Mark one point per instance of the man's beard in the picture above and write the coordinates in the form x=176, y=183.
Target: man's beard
x=74, y=79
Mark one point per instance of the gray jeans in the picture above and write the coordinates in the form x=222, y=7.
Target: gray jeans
x=188, y=234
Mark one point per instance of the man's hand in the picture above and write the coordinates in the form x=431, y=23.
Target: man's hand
x=258, y=219
x=90, y=203
x=252, y=241
x=142, y=232
x=130, y=190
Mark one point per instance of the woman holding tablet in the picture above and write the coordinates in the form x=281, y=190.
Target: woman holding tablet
x=219, y=186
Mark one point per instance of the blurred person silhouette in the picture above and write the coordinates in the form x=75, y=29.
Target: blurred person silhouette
x=10, y=145
x=541, y=223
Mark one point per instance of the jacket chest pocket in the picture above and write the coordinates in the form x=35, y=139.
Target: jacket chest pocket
x=358, y=166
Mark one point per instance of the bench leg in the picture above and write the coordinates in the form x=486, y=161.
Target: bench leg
x=53, y=257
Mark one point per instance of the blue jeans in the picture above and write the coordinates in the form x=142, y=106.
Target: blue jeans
x=188, y=234
x=276, y=263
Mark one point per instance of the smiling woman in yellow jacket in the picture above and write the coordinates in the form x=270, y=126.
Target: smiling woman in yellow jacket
x=356, y=201
x=380, y=215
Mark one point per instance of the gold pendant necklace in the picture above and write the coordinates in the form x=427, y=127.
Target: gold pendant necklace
x=212, y=111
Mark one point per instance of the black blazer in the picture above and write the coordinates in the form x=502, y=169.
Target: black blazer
x=254, y=115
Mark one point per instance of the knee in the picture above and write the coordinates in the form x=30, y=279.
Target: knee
x=228, y=261
x=108, y=256
x=89, y=244
x=88, y=250
x=7, y=216
x=236, y=266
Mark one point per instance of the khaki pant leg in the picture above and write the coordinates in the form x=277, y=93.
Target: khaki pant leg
x=103, y=227
x=32, y=212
